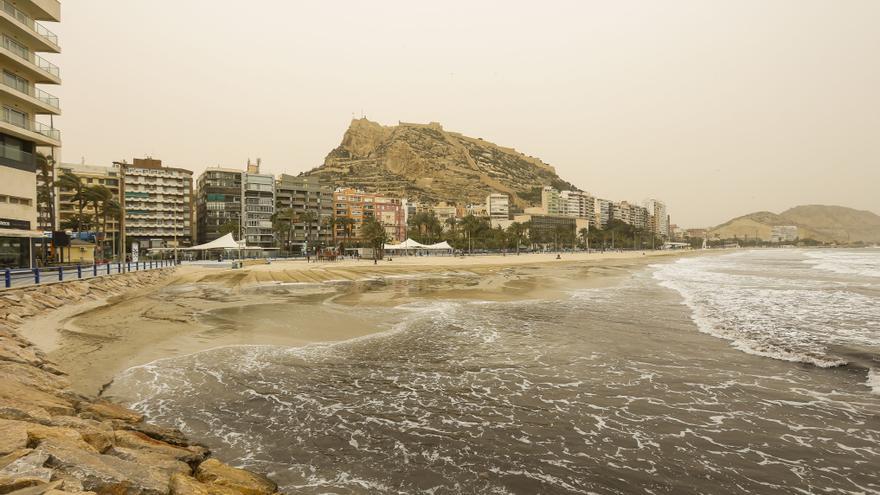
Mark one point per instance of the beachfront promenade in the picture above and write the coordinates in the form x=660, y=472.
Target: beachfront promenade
x=22, y=277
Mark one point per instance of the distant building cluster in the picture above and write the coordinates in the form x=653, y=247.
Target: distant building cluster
x=165, y=207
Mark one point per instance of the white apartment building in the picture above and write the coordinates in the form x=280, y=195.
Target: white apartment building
x=258, y=195
x=158, y=204
x=24, y=127
x=784, y=233
x=498, y=206
x=602, y=212
x=658, y=217
x=551, y=201
x=578, y=204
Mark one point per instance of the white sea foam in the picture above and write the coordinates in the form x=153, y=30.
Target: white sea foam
x=874, y=380
x=864, y=263
x=761, y=302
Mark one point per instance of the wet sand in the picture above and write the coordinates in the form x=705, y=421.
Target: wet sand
x=202, y=307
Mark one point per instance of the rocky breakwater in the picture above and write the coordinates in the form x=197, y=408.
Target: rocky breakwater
x=55, y=441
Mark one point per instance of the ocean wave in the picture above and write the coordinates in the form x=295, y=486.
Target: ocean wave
x=764, y=306
x=865, y=263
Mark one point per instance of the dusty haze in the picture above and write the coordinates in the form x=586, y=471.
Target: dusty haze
x=721, y=108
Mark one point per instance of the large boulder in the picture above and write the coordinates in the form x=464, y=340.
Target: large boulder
x=104, y=410
x=28, y=466
x=170, y=465
x=186, y=485
x=171, y=436
x=98, y=435
x=136, y=440
x=105, y=473
x=13, y=436
x=215, y=472
x=16, y=395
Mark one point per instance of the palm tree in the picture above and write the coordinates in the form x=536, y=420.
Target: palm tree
x=452, y=222
x=516, y=231
x=112, y=209
x=45, y=189
x=374, y=233
x=282, y=227
x=585, y=236
x=98, y=195
x=347, y=226
x=330, y=224
x=70, y=181
x=470, y=224
x=308, y=217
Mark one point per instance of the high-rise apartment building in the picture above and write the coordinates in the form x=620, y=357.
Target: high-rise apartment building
x=258, y=196
x=551, y=201
x=498, y=206
x=578, y=204
x=218, y=203
x=158, y=204
x=24, y=128
x=602, y=212
x=309, y=203
x=658, y=217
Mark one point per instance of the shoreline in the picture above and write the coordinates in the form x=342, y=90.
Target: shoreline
x=203, y=307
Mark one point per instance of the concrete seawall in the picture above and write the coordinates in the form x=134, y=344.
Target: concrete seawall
x=55, y=441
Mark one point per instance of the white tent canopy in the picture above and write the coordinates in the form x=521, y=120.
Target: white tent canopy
x=407, y=244
x=225, y=242
x=411, y=245
x=440, y=245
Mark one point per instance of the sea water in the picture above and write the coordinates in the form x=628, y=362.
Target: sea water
x=743, y=373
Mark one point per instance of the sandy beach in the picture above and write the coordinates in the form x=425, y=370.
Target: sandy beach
x=203, y=306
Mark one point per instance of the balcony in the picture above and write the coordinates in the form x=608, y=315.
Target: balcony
x=39, y=69
x=25, y=23
x=43, y=101
x=29, y=130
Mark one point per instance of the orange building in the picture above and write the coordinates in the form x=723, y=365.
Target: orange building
x=359, y=206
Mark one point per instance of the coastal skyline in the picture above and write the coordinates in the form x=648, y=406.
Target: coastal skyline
x=621, y=100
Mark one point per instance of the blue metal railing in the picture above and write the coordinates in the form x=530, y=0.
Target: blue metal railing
x=21, y=277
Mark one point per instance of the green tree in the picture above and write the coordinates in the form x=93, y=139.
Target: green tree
x=112, y=209
x=45, y=188
x=470, y=225
x=517, y=232
x=308, y=217
x=69, y=181
x=584, y=234
x=282, y=227
x=230, y=227
x=375, y=236
x=98, y=195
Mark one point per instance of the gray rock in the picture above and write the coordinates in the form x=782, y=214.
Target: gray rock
x=29, y=466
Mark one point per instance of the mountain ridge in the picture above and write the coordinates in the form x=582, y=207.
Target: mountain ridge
x=824, y=223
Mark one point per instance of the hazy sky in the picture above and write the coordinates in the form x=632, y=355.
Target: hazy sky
x=720, y=108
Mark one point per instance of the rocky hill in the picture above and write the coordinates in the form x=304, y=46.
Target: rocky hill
x=819, y=222
x=427, y=163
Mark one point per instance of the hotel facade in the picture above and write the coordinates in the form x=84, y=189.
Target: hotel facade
x=26, y=121
x=158, y=205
